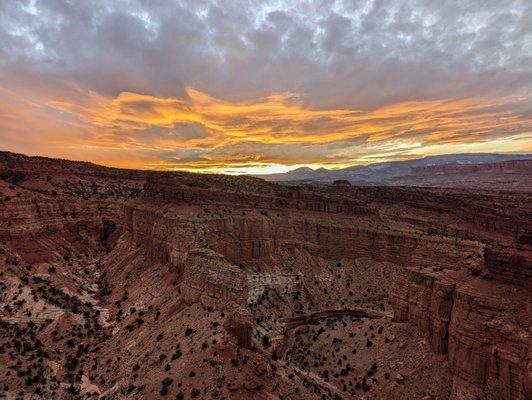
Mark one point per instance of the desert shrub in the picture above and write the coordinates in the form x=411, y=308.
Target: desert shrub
x=165, y=383
x=13, y=177
x=177, y=354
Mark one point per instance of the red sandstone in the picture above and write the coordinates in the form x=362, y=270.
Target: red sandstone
x=200, y=278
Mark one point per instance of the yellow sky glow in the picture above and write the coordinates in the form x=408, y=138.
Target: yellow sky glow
x=275, y=133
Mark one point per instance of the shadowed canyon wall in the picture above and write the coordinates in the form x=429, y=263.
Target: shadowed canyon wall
x=458, y=248
x=465, y=256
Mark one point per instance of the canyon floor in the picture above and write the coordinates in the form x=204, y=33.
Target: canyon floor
x=157, y=285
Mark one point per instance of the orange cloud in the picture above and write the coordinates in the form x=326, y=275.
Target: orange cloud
x=202, y=132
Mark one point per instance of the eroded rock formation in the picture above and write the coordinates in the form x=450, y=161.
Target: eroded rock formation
x=136, y=284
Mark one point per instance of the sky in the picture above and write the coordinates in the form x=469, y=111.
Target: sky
x=255, y=86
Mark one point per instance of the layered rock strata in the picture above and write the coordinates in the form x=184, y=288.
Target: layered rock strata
x=119, y=256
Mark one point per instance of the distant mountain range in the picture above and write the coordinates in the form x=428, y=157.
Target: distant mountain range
x=505, y=171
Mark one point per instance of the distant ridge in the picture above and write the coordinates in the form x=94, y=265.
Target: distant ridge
x=477, y=170
x=504, y=171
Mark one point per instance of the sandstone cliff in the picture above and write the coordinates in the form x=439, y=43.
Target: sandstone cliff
x=151, y=274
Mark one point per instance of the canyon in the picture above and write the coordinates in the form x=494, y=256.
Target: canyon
x=146, y=285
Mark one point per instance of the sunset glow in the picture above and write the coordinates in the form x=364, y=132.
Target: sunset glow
x=153, y=102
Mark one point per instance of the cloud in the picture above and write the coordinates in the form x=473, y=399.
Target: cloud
x=324, y=83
